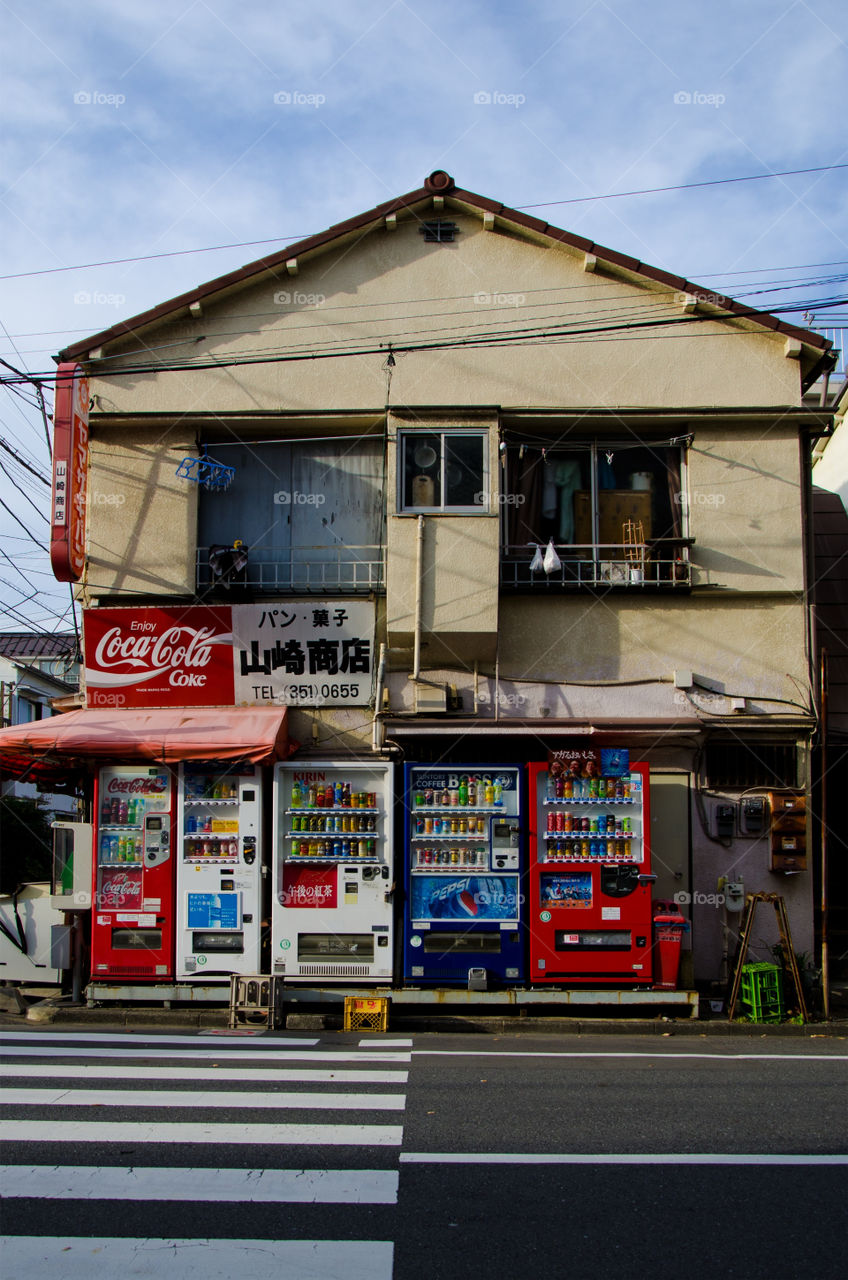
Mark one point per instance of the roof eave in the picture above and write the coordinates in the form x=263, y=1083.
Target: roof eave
x=440, y=184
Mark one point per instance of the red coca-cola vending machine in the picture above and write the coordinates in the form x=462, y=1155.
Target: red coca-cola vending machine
x=132, y=934
x=590, y=869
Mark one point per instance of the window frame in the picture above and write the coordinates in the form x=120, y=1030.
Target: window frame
x=409, y=434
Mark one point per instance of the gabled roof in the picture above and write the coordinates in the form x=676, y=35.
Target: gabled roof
x=441, y=184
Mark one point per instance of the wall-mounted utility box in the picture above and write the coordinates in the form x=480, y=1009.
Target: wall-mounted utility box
x=788, y=831
x=725, y=821
x=754, y=815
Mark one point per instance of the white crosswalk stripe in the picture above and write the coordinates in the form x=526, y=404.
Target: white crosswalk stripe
x=271, y=1135
x=254, y=1186
x=103, y=1259
x=209, y=1054
x=287, y=1075
x=201, y=1098
x=136, y=1038
x=75, y=1079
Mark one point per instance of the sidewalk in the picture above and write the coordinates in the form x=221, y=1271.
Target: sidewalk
x=47, y=1008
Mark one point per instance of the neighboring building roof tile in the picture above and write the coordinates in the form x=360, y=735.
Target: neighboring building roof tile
x=34, y=644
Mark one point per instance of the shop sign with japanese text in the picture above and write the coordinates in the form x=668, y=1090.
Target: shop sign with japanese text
x=306, y=654
x=70, y=473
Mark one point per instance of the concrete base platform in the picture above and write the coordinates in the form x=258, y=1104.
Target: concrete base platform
x=586, y=1000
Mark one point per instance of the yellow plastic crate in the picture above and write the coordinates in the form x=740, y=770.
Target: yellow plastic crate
x=366, y=1013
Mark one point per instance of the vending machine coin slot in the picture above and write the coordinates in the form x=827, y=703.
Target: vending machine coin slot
x=619, y=881
x=249, y=850
x=157, y=840
x=504, y=844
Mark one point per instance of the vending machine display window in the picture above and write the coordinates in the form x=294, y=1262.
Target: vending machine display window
x=333, y=871
x=590, y=913
x=133, y=874
x=219, y=871
x=464, y=871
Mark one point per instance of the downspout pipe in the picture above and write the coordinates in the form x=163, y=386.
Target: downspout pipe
x=419, y=587
x=377, y=727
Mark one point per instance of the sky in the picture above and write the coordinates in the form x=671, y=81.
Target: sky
x=133, y=130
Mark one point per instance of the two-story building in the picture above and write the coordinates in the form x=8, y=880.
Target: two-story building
x=562, y=495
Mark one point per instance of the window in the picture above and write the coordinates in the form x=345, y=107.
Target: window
x=614, y=510
x=739, y=765
x=443, y=471
x=29, y=710
x=309, y=513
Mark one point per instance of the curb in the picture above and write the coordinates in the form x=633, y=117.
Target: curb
x=50, y=1013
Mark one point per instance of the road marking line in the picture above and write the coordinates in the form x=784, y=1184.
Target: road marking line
x=474, y=1157
x=137, y=1037
x=287, y=1075
x=354, y=1135
x=385, y=1044
x=103, y=1258
x=666, y=1054
x=200, y=1098
x=205, y=1052
x=253, y=1186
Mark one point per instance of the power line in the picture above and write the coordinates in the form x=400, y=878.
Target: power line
x=26, y=465
x=684, y=186
x=23, y=526
x=293, y=237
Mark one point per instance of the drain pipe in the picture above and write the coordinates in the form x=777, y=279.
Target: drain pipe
x=377, y=728
x=419, y=575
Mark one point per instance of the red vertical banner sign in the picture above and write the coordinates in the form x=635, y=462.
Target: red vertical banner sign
x=70, y=469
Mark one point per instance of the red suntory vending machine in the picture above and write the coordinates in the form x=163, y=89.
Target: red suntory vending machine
x=132, y=933
x=590, y=875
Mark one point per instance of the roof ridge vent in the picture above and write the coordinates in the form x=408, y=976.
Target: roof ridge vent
x=438, y=230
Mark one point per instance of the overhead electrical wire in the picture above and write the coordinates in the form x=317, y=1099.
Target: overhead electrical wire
x=684, y=186
x=294, y=237
x=376, y=347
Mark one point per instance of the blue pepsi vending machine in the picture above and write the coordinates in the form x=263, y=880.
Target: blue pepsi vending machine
x=464, y=870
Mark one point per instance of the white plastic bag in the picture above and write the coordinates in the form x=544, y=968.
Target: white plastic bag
x=551, y=561
x=537, y=564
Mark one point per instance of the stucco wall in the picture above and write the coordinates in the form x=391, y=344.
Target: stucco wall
x=393, y=287
x=142, y=519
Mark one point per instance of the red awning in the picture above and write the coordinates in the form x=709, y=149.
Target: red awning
x=43, y=750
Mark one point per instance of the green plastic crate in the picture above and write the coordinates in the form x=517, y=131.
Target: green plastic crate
x=761, y=992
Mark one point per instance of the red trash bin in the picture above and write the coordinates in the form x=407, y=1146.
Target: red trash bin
x=669, y=927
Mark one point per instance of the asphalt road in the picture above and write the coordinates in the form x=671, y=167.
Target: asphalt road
x=572, y=1220
x=432, y=1156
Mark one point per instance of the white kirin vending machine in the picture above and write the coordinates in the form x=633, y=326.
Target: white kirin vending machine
x=219, y=871
x=333, y=871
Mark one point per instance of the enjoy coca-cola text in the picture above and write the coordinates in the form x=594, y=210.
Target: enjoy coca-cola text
x=181, y=650
x=148, y=786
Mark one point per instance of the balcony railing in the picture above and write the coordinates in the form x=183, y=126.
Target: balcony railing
x=319, y=570
x=662, y=563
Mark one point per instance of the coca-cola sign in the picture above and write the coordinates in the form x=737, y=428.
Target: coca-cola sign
x=139, y=786
x=120, y=890
x=159, y=657
x=309, y=887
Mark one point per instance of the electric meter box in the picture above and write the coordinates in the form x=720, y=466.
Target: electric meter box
x=754, y=815
x=788, y=831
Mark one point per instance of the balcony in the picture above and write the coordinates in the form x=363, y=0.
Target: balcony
x=315, y=570
x=662, y=564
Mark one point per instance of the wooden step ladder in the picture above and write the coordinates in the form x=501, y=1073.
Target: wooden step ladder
x=791, y=964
